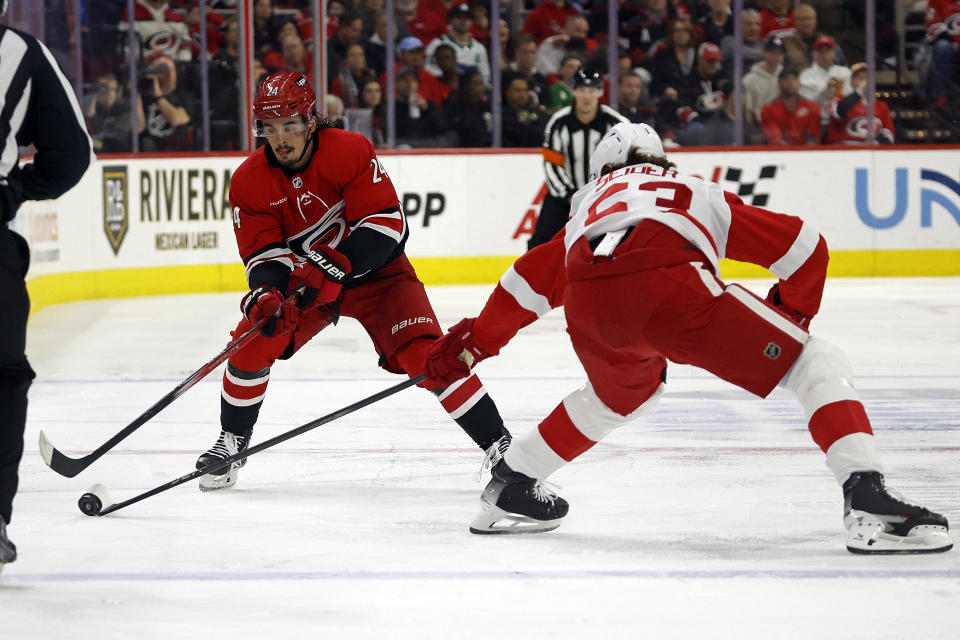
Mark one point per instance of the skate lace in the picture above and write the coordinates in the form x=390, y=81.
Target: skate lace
x=545, y=491
x=227, y=445
x=493, y=455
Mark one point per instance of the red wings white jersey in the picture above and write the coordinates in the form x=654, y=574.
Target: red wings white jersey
x=716, y=222
x=342, y=199
x=692, y=207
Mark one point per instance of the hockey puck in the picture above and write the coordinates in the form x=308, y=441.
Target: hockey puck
x=90, y=504
x=93, y=501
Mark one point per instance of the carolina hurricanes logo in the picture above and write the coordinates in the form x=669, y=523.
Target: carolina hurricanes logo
x=162, y=41
x=328, y=231
x=857, y=127
x=953, y=23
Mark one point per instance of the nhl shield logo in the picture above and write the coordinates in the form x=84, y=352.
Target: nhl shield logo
x=772, y=350
x=115, y=205
x=297, y=182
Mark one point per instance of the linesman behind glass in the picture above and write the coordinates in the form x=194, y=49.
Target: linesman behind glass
x=570, y=137
x=38, y=107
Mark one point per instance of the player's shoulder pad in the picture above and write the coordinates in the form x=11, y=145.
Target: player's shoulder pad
x=344, y=153
x=249, y=183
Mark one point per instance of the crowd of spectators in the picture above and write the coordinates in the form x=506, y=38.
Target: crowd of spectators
x=675, y=70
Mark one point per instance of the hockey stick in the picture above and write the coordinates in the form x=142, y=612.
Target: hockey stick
x=69, y=467
x=96, y=502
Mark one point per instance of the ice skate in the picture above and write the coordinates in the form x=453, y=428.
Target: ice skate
x=8, y=550
x=227, y=444
x=524, y=502
x=882, y=522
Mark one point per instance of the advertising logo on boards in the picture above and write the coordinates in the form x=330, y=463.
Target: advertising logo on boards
x=116, y=205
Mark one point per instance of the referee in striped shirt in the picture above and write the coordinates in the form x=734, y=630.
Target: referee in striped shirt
x=570, y=137
x=38, y=107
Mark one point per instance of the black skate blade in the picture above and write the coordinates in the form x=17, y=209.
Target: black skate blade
x=516, y=530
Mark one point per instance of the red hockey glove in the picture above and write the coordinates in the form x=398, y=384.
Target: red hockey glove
x=450, y=357
x=323, y=275
x=268, y=302
x=773, y=297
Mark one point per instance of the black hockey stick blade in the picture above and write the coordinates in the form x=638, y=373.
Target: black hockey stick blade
x=91, y=505
x=69, y=467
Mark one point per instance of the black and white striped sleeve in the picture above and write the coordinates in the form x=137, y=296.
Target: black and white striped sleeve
x=39, y=108
x=556, y=141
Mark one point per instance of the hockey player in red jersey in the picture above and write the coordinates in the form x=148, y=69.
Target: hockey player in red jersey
x=314, y=211
x=636, y=270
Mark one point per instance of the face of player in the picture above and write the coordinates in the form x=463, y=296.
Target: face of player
x=288, y=138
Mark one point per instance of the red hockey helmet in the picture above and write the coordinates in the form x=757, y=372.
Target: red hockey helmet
x=284, y=94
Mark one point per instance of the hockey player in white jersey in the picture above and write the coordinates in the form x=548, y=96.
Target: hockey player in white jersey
x=636, y=269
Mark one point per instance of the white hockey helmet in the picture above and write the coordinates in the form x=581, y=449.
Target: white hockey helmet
x=619, y=141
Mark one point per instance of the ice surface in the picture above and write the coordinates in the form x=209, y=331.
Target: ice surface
x=712, y=517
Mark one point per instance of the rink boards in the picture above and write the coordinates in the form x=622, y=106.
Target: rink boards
x=154, y=225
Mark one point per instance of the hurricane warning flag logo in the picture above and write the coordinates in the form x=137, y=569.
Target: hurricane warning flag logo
x=116, y=207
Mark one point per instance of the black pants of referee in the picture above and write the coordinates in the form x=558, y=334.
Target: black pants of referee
x=554, y=213
x=15, y=371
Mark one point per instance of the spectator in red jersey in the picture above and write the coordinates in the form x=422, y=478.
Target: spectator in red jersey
x=752, y=43
x=717, y=23
x=280, y=30
x=800, y=45
x=421, y=20
x=352, y=77
x=216, y=24
x=573, y=40
x=777, y=18
x=791, y=120
x=159, y=29
x=848, y=115
x=411, y=53
x=549, y=18
x=942, y=41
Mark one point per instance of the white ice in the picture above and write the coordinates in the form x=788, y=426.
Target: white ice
x=712, y=517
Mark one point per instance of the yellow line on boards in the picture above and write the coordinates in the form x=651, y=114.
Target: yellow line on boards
x=58, y=288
